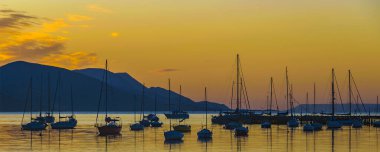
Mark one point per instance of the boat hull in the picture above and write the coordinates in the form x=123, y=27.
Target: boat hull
x=204, y=134
x=156, y=124
x=173, y=135
x=109, y=130
x=34, y=126
x=64, y=125
x=308, y=128
x=241, y=131
x=176, y=116
x=266, y=125
x=334, y=124
x=136, y=127
x=182, y=128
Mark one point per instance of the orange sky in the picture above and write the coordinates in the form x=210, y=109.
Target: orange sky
x=195, y=42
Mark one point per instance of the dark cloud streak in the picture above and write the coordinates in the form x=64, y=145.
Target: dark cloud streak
x=10, y=19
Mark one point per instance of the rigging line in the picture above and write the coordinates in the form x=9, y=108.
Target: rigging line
x=56, y=91
x=26, y=102
x=357, y=90
x=340, y=97
x=275, y=96
x=100, y=97
x=244, y=87
x=232, y=94
x=246, y=93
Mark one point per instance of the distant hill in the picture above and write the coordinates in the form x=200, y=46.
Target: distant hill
x=339, y=108
x=86, y=84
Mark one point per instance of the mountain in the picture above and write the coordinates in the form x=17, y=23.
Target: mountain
x=54, y=83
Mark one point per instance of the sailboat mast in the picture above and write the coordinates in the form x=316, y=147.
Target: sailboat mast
x=314, y=99
x=49, y=102
x=155, y=102
x=377, y=104
x=41, y=96
x=31, y=98
x=180, y=97
x=238, y=82
x=106, y=89
x=232, y=94
x=206, y=105
x=287, y=89
x=170, y=120
x=333, y=93
x=307, y=103
x=142, y=101
x=291, y=100
x=349, y=90
x=72, y=100
x=271, y=95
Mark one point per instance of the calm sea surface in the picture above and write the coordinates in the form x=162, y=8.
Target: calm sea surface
x=278, y=138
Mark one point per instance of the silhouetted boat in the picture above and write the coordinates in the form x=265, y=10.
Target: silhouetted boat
x=181, y=127
x=333, y=123
x=238, y=115
x=233, y=125
x=178, y=114
x=34, y=124
x=111, y=126
x=172, y=134
x=308, y=126
x=69, y=122
x=268, y=123
x=144, y=120
x=153, y=118
x=205, y=133
x=317, y=126
x=241, y=131
x=293, y=122
x=377, y=123
x=136, y=126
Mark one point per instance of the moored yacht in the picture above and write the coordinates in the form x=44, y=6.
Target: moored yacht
x=111, y=125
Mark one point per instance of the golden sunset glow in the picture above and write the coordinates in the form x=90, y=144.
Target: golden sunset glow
x=195, y=42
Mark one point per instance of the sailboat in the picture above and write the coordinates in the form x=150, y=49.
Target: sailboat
x=144, y=121
x=155, y=122
x=357, y=122
x=267, y=123
x=230, y=119
x=377, y=123
x=34, y=124
x=136, y=126
x=178, y=114
x=293, y=122
x=49, y=118
x=317, y=126
x=181, y=127
x=308, y=126
x=205, y=133
x=172, y=134
x=69, y=122
x=111, y=125
x=333, y=123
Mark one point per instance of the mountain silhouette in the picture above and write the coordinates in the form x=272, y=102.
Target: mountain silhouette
x=53, y=84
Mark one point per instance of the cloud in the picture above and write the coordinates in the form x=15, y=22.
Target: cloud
x=98, y=9
x=168, y=70
x=71, y=60
x=10, y=19
x=76, y=17
x=38, y=40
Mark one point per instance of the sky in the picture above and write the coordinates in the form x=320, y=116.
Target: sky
x=195, y=42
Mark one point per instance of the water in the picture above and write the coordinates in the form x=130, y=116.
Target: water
x=278, y=138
